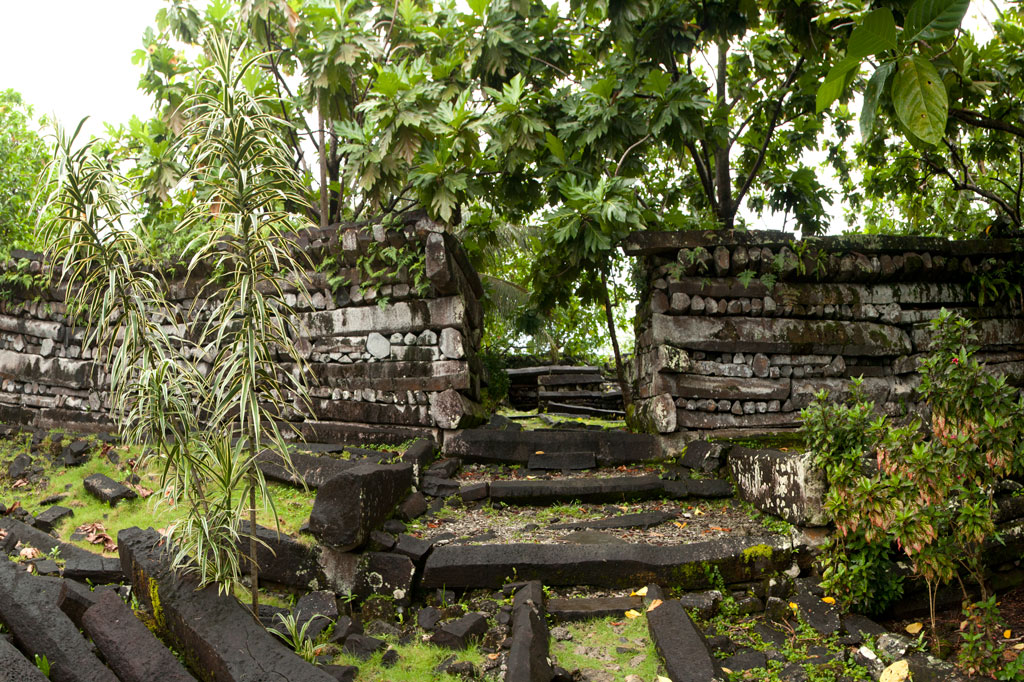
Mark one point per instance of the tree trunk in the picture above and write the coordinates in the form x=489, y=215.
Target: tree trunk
x=723, y=179
x=254, y=566
x=627, y=393
x=324, y=198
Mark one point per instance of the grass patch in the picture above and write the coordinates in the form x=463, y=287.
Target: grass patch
x=417, y=661
x=595, y=646
x=292, y=506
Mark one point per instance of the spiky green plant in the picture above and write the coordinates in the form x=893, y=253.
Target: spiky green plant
x=206, y=396
x=252, y=193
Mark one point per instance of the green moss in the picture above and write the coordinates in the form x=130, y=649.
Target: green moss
x=154, y=604
x=752, y=554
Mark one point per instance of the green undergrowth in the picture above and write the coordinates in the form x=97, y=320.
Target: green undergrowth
x=783, y=440
x=531, y=421
x=417, y=661
x=292, y=505
x=801, y=643
x=605, y=643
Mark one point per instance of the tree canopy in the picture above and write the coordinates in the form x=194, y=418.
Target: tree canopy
x=544, y=133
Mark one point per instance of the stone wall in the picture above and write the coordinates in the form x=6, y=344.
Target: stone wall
x=387, y=372
x=719, y=349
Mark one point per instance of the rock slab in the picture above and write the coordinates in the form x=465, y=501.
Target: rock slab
x=28, y=607
x=680, y=644
x=357, y=501
x=127, y=645
x=215, y=634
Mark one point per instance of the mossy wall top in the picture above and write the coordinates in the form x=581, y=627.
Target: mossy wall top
x=389, y=372
x=736, y=331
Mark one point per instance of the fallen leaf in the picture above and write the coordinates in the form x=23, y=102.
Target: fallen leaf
x=492, y=657
x=727, y=671
x=1019, y=646
x=539, y=452
x=642, y=592
x=1007, y=634
x=654, y=604
x=20, y=483
x=140, y=490
x=616, y=622
x=719, y=528
x=829, y=600
x=914, y=628
x=897, y=672
x=30, y=553
x=681, y=525
x=697, y=511
x=632, y=613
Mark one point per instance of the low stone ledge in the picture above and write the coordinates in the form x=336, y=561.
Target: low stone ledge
x=28, y=607
x=128, y=647
x=215, y=634
x=618, y=566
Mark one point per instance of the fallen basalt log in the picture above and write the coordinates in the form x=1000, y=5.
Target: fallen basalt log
x=28, y=607
x=618, y=566
x=220, y=640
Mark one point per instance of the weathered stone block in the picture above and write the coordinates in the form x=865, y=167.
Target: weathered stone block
x=717, y=388
x=785, y=484
x=128, y=647
x=213, y=631
x=106, y=489
x=28, y=607
x=355, y=502
x=781, y=335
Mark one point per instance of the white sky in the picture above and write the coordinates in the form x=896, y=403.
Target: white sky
x=72, y=58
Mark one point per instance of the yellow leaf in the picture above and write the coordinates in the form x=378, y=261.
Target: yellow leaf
x=681, y=525
x=897, y=672
x=539, y=452
x=632, y=613
x=914, y=628
x=662, y=679
x=493, y=657
x=727, y=671
x=1007, y=634
x=654, y=604
x=792, y=605
x=642, y=592
x=828, y=600
x=698, y=512
x=1019, y=646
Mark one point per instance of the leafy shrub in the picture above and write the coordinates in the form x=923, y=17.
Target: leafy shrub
x=928, y=495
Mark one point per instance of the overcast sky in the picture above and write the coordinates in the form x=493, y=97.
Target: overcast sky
x=72, y=58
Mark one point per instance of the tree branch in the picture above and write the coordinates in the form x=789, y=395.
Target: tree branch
x=768, y=134
x=981, y=121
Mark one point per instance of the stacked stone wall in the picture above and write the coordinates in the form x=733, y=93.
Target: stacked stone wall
x=736, y=331
x=389, y=362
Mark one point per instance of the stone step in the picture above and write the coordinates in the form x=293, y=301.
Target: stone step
x=591, y=490
x=595, y=489
x=640, y=520
x=592, y=607
x=585, y=410
x=610, y=448
x=562, y=460
x=614, y=566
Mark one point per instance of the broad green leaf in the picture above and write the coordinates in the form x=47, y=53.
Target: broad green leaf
x=877, y=32
x=556, y=147
x=933, y=19
x=835, y=82
x=871, y=94
x=657, y=81
x=604, y=87
x=920, y=99
x=479, y=7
